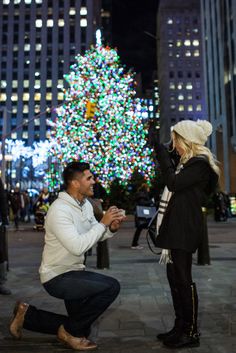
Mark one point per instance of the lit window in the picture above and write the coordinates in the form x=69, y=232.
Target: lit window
x=15, y=47
x=83, y=22
x=27, y=47
x=188, y=53
x=16, y=2
x=83, y=11
x=195, y=30
x=14, y=135
x=28, y=1
x=170, y=43
x=60, y=96
x=179, y=43
x=172, y=107
x=49, y=83
x=37, y=73
x=25, y=134
x=199, y=108
x=169, y=21
x=3, y=84
x=181, y=108
x=195, y=42
x=37, y=96
x=61, y=22
x=196, y=52
x=25, y=109
x=50, y=23
x=37, y=122
x=177, y=54
x=189, y=85
x=26, y=96
x=37, y=110
x=26, y=83
x=49, y=96
x=60, y=84
x=180, y=97
x=14, y=97
x=180, y=85
x=190, y=96
x=190, y=108
x=48, y=134
x=187, y=42
x=14, y=84
x=172, y=85
x=6, y=2
x=37, y=84
x=72, y=11
x=27, y=62
x=38, y=46
x=150, y=108
x=14, y=110
x=38, y=1
x=38, y=23
x=3, y=97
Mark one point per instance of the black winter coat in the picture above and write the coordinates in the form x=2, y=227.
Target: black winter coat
x=183, y=223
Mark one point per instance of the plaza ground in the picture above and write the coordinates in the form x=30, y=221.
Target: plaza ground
x=143, y=308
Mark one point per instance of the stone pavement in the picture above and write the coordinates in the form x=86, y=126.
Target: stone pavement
x=144, y=306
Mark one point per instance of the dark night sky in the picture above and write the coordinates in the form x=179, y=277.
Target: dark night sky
x=130, y=20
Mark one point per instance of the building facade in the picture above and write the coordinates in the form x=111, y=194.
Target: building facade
x=219, y=34
x=38, y=42
x=180, y=63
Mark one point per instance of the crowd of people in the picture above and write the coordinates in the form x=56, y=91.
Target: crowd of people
x=72, y=228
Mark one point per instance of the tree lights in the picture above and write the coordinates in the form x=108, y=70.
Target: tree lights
x=101, y=120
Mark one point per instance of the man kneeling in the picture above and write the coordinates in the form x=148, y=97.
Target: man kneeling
x=71, y=230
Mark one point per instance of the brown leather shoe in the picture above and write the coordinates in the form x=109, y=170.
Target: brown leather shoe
x=76, y=343
x=17, y=321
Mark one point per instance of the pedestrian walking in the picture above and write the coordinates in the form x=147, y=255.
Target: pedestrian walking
x=3, y=241
x=71, y=229
x=180, y=222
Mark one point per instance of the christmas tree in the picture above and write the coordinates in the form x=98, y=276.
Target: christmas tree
x=100, y=121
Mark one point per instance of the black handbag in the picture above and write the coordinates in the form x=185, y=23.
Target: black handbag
x=146, y=212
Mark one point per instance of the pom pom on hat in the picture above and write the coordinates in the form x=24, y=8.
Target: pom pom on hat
x=194, y=131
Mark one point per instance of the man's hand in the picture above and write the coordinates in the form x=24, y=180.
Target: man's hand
x=112, y=218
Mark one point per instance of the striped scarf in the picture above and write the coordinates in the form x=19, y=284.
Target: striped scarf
x=166, y=196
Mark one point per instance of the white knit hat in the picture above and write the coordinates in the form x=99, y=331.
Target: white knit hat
x=193, y=131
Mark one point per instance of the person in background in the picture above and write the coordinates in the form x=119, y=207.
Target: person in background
x=142, y=198
x=71, y=229
x=180, y=221
x=99, y=191
x=16, y=205
x=3, y=243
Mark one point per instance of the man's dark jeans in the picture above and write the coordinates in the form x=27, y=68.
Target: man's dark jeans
x=86, y=295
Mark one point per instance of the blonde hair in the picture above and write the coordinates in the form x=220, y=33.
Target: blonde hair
x=191, y=149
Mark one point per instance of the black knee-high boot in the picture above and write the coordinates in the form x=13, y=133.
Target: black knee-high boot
x=177, y=329
x=189, y=336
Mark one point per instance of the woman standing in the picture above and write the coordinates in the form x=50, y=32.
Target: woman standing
x=180, y=221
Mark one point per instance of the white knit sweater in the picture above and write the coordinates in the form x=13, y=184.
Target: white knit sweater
x=70, y=231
